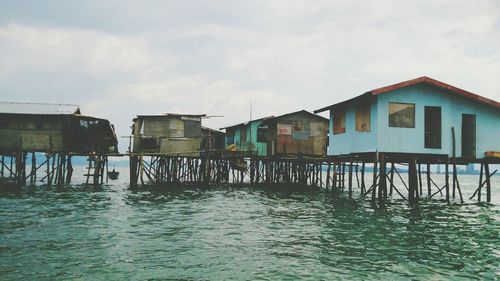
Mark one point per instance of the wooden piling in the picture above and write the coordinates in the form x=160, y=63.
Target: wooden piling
x=447, y=183
x=382, y=188
x=488, y=182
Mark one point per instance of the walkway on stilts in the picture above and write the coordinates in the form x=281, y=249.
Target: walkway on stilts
x=335, y=173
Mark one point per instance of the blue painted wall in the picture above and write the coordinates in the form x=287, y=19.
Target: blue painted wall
x=351, y=140
x=251, y=139
x=411, y=140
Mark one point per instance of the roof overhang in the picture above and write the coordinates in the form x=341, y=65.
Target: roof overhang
x=421, y=80
x=163, y=115
x=275, y=119
x=246, y=123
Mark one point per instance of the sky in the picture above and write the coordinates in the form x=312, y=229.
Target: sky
x=117, y=59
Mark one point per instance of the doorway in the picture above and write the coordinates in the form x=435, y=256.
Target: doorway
x=432, y=130
x=468, y=135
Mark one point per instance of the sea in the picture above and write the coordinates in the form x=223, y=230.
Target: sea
x=243, y=232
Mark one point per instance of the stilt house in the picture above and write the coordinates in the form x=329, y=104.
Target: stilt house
x=419, y=116
x=38, y=127
x=300, y=132
x=244, y=136
x=211, y=139
x=167, y=134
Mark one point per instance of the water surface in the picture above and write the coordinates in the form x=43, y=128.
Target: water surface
x=244, y=233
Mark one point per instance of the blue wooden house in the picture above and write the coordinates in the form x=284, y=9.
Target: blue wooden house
x=418, y=116
x=247, y=137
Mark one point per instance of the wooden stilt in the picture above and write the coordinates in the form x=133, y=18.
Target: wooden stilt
x=480, y=183
x=420, y=179
x=412, y=182
x=447, y=183
x=391, y=178
x=374, y=186
x=350, y=178
x=382, y=189
x=428, y=174
x=488, y=182
x=363, y=186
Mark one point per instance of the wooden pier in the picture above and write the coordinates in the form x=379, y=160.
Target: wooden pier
x=345, y=173
x=51, y=168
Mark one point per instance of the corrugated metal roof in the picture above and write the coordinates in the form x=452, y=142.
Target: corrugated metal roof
x=172, y=114
x=211, y=130
x=246, y=123
x=266, y=122
x=428, y=81
x=38, y=108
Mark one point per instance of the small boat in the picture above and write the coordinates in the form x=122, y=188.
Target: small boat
x=113, y=174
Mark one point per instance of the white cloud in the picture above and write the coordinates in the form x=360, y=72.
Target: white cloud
x=280, y=55
x=47, y=49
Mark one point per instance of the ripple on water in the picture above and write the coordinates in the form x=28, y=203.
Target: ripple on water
x=239, y=233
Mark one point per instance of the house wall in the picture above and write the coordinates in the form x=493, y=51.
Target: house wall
x=352, y=140
x=310, y=141
x=167, y=133
x=259, y=147
x=31, y=133
x=411, y=140
x=250, y=142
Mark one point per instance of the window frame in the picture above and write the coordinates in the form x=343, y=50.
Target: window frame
x=338, y=126
x=360, y=110
x=401, y=103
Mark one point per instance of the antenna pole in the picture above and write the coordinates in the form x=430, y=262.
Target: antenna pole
x=250, y=125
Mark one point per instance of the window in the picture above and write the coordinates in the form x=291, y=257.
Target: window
x=4, y=123
x=338, y=122
x=432, y=127
x=192, y=129
x=363, y=118
x=402, y=115
x=148, y=143
x=84, y=124
x=229, y=136
x=262, y=134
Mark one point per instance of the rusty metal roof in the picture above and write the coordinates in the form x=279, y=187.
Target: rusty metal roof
x=38, y=108
x=423, y=80
x=172, y=114
x=266, y=122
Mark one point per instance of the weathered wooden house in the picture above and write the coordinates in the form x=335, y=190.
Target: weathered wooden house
x=211, y=139
x=419, y=116
x=167, y=134
x=53, y=128
x=300, y=132
x=247, y=137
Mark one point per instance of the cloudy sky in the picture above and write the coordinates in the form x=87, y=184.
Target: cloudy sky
x=120, y=58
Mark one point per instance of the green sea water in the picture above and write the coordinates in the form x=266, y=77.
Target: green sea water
x=241, y=233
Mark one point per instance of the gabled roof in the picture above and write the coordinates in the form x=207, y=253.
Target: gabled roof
x=38, y=108
x=422, y=80
x=203, y=128
x=172, y=115
x=246, y=123
x=274, y=119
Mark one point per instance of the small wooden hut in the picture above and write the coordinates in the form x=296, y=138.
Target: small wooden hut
x=244, y=137
x=167, y=134
x=211, y=139
x=299, y=132
x=53, y=128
